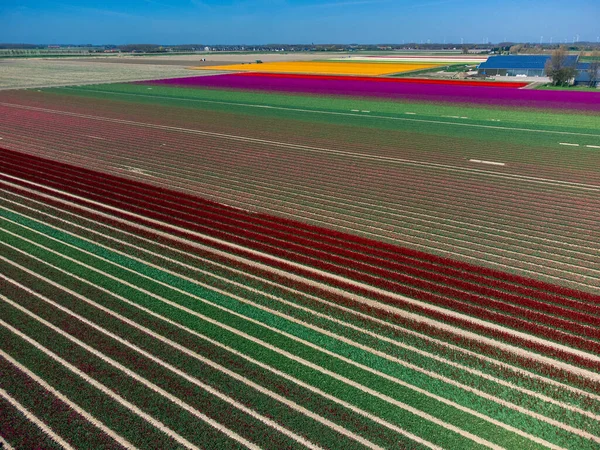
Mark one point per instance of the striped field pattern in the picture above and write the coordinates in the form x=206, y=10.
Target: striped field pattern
x=439, y=91
x=326, y=67
x=411, y=181
x=144, y=315
x=200, y=267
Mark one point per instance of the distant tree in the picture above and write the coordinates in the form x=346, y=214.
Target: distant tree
x=532, y=50
x=147, y=48
x=558, y=69
x=515, y=49
x=465, y=50
x=594, y=69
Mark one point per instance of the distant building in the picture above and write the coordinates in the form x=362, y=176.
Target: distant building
x=518, y=65
x=479, y=51
x=529, y=66
x=583, y=75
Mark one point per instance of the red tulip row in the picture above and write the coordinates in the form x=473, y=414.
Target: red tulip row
x=433, y=280
x=381, y=254
x=469, y=343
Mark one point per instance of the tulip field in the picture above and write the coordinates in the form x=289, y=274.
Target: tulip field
x=276, y=260
x=327, y=67
x=454, y=91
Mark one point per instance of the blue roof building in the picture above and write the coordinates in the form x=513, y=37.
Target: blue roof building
x=518, y=65
x=583, y=74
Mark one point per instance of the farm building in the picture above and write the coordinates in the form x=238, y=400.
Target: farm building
x=521, y=65
x=583, y=74
x=529, y=66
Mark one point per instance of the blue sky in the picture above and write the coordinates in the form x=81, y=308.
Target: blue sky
x=296, y=21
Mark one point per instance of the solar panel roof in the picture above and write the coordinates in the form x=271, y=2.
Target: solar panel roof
x=521, y=62
x=583, y=76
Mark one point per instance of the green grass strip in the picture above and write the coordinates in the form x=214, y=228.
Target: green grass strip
x=507, y=116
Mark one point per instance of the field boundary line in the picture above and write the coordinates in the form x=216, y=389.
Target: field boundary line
x=570, y=184
x=370, y=350
x=44, y=428
x=422, y=319
x=156, y=423
x=339, y=113
x=295, y=358
x=94, y=421
x=334, y=305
